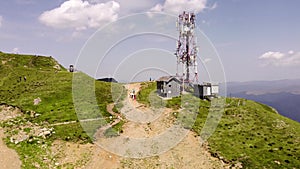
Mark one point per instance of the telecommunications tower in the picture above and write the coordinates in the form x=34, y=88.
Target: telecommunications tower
x=186, y=51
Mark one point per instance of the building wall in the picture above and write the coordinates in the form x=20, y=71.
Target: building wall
x=215, y=89
x=202, y=91
x=199, y=91
x=160, y=88
x=168, y=89
x=173, y=89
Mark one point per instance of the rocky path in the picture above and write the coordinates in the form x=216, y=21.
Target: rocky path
x=100, y=132
x=9, y=159
x=189, y=153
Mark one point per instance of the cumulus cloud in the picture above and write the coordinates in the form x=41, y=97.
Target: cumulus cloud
x=272, y=55
x=81, y=14
x=290, y=58
x=177, y=6
x=135, y=6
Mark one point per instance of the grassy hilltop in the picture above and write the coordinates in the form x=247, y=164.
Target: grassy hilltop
x=249, y=133
x=47, y=80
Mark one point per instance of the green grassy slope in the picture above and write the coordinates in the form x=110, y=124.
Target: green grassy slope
x=249, y=132
x=54, y=87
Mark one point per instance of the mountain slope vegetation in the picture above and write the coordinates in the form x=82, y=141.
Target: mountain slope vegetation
x=25, y=79
x=250, y=133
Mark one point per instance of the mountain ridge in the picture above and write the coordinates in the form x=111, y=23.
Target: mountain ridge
x=247, y=133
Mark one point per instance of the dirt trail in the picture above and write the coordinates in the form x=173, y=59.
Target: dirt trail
x=9, y=159
x=141, y=130
x=187, y=154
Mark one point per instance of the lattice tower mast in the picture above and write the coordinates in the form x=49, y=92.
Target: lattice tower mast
x=186, y=51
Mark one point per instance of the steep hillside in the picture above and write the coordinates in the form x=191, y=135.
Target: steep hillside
x=285, y=103
x=249, y=133
x=283, y=95
x=255, y=135
x=25, y=79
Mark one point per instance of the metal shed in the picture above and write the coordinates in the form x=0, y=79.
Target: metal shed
x=206, y=90
x=168, y=86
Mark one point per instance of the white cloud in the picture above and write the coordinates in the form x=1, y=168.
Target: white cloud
x=81, y=14
x=16, y=50
x=131, y=6
x=1, y=20
x=272, y=55
x=178, y=6
x=206, y=60
x=290, y=58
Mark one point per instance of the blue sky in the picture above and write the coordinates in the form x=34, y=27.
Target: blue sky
x=255, y=40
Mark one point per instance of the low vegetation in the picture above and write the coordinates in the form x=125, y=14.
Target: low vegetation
x=146, y=89
x=148, y=96
x=249, y=133
x=42, y=89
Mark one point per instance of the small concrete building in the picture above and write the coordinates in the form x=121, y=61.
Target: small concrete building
x=206, y=90
x=168, y=86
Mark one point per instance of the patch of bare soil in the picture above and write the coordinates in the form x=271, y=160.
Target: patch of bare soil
x=103, y=159
x=186, y=155
x=9, y=159
x=71, y=155
x=189, y=154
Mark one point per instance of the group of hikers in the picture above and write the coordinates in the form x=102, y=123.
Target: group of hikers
x=132, y=94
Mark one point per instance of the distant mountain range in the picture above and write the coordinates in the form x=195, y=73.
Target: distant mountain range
x=283, y=95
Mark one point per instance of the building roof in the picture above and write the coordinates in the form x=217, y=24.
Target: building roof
x=108, y=79
x=167, y=78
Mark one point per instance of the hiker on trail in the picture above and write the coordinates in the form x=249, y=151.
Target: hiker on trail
x=133, y=92
x=131, y=95
x=25, y=78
